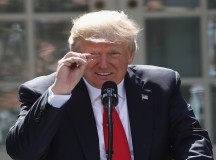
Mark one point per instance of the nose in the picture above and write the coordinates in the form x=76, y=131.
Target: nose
x=103, y=61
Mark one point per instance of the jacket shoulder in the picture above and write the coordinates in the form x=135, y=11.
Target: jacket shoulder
x=142, y=70
x=155, y=75
x=39, y=84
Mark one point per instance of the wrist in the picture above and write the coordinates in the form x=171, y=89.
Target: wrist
x=60, y=90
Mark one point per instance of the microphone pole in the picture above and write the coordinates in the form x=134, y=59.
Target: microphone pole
x=109, y=97
x=110, y=129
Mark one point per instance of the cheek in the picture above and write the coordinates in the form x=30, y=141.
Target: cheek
x=126, y=61
x=91, y=64
x=90, y=68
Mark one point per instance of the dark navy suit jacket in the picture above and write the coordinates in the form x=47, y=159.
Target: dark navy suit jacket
x=163, y=125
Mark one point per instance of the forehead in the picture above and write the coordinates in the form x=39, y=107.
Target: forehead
x=96, y=47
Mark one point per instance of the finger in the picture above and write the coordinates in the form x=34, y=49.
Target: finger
x=90, y=56
x=73, y=61
x=75, y=54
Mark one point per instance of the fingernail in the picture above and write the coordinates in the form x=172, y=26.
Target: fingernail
x=90, y=60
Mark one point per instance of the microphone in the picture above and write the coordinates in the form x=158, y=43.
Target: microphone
x=109, y=93
x=109, y=98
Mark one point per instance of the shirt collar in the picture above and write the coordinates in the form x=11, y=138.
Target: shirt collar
x=95, y=93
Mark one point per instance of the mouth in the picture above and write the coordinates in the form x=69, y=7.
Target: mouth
x=103, y=73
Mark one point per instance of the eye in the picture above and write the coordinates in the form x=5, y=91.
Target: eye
x=115, y=54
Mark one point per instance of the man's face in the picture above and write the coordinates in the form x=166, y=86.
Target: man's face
x=109, y=62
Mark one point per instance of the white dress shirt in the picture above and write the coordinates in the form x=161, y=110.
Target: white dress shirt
x=94, y=93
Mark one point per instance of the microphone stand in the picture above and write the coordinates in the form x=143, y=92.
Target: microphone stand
x=110, y=129
x=109, y=97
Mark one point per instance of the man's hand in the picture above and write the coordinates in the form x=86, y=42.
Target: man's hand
x=69, y=72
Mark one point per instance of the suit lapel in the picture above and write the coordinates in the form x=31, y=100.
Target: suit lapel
x=82, y=117
x=139, y=99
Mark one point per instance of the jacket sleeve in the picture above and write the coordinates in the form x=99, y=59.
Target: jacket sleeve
x=35, y=127
x=189, y=141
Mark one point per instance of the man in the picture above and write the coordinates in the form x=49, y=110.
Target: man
x=61, y=115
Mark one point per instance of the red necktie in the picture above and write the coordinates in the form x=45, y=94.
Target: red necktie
x=120, y=144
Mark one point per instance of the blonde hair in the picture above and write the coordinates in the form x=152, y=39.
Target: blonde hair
x=104, y=26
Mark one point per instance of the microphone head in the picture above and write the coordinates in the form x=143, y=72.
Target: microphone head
x=109, y=90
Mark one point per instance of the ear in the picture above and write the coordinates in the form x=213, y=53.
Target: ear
x=131, y=57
